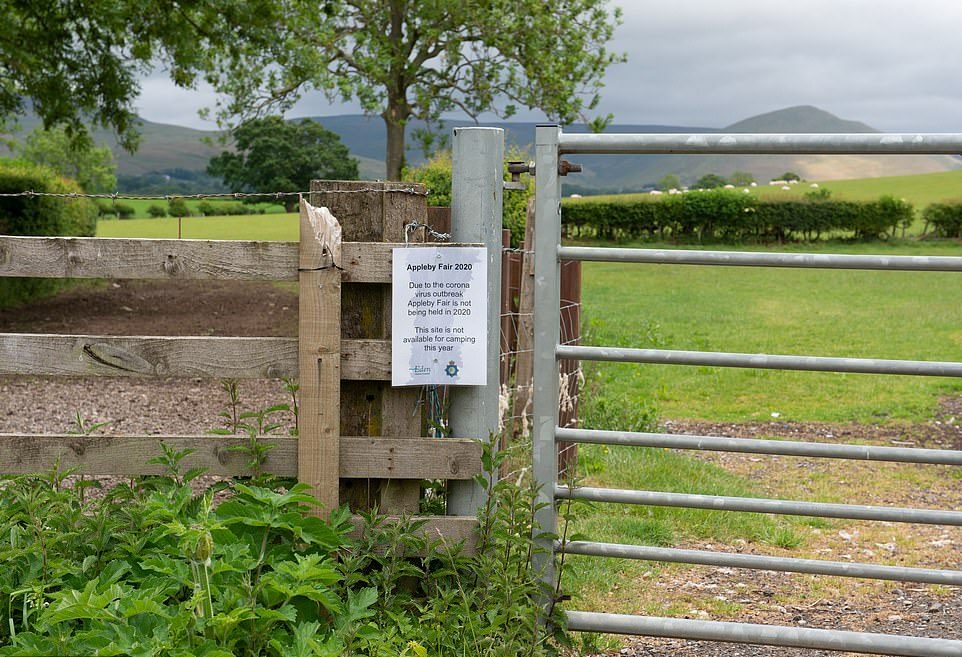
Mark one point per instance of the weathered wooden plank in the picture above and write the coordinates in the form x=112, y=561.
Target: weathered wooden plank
x=209, y=357
x=410, y=458
x=128, y=455
x=117, y=258
x=398, y=458
x=319, y=358
x=372, y=407
x=446, y=532
x=99, y=257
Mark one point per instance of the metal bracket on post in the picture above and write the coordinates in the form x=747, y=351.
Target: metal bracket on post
x=476, y=211
x=516, y=168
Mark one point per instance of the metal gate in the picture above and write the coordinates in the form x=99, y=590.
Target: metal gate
x=551, y=143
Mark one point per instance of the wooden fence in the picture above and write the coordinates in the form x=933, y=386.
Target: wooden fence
x=360, y=441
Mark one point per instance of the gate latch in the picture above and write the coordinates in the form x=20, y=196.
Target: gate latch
x=516, y=168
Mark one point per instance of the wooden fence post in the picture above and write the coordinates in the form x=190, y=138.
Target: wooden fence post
x=372, y=212
x=319, y=361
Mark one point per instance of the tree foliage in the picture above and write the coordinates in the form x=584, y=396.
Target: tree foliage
x=741, y=178
x=406, y=59
x=75, y=62
x=710, y=181
x=670, y=181
x=272, y=155
x=39, y=215
x=91, y=166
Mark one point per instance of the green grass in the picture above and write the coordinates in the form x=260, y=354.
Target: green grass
x=282, y=227
x=140, y=207
x=589, y=578
x=920, y=189
x=899, y=315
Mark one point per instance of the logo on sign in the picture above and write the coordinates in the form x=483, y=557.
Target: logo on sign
x=451, y=370
x=419, y=370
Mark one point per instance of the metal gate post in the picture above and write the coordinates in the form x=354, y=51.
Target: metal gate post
x=476, y=209
x=547, y=299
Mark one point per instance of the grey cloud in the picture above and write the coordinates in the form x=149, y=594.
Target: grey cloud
x=892, y=64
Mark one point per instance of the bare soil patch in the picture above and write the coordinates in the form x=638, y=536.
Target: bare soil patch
x=143, y=406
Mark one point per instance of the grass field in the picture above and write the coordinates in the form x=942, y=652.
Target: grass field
x=899, y=315
x=920, y=190
x=140, y=207
x=243, y=227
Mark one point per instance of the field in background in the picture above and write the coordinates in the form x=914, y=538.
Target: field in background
x=899, y=315
x=281, y=227
x=140, y=206
x=919, y=190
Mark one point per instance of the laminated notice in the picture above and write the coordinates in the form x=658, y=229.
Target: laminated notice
x=439, y=316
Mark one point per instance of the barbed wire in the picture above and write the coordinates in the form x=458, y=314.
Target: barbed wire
x=415, y=225
x=116, y=196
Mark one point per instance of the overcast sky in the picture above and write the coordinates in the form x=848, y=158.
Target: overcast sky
x=894, y=64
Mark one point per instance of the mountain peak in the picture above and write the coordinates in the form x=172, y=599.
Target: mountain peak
x=801, y=118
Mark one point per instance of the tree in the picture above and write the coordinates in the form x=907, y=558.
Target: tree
x=710, y=181
x=670, y=181
x=276, y=155
x=790, y=175
x=77, y=62
x=409, y=59
x=91, y=166
x=741, y=178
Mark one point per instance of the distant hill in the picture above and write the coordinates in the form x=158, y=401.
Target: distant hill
x=801, y=118
x=625, y=172
x=169, y=147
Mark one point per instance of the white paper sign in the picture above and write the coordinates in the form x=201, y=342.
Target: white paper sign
x=440, y=316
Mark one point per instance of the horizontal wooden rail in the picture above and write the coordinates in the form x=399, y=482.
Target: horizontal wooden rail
x=209, y=357
x=360, y=457
x=448, y=530
x=102, y=257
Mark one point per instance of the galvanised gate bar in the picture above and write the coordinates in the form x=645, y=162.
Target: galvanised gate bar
x=551, y=143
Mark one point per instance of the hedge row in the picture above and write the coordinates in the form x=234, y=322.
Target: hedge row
x=731, y=216
x=20, y=215
x=435, y=174
x=945, y=218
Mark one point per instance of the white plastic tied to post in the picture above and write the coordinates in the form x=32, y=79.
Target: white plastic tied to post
x=327, y=232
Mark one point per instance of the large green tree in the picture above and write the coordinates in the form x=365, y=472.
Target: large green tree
x=76, y=62
x=91, y=166
x=273, y=155
x=416, y=59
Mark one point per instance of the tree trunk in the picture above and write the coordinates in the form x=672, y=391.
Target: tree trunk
x=395, y=148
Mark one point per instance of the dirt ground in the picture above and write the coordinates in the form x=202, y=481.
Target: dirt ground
x=144, y=406
x=130, y=405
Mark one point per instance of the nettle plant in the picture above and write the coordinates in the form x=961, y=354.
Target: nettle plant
x=161, y=565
